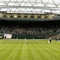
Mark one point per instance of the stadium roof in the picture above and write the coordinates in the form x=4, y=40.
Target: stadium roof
x=30, y=6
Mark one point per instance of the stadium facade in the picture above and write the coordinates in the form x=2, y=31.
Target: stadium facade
x=39, y=10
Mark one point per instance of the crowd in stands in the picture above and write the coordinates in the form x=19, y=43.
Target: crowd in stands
x=30, y=29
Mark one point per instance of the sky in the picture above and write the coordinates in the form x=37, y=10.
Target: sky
x=32, y=1
x=50, y=3
x=57, y=1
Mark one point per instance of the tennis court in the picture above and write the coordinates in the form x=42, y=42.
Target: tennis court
x=17, y=49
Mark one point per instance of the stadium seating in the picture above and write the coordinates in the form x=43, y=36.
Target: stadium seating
x=29, y=30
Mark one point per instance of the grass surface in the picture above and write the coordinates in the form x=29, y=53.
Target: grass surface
x=29, y=50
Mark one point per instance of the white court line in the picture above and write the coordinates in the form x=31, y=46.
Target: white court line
x=27, y=48
x=26, y=44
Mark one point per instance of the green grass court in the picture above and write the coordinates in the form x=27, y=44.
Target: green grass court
x=11, y=49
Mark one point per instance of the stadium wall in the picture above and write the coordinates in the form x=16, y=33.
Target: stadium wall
x=23, y=36
x=1, y=35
